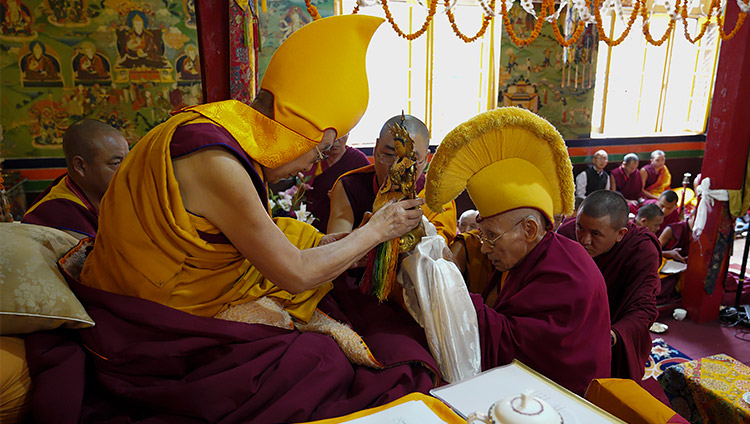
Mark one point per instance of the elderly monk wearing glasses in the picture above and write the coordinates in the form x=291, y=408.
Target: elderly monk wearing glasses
x=550, y=310
x=217, y=311
x=354, y=193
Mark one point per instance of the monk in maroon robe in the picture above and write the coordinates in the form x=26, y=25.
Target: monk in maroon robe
x=551, y=313
x=628, y=257
x=667, y=202
x=625, y=178
x=93, y=151
x=341, y=159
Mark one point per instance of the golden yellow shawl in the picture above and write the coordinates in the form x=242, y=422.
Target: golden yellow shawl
x=148, y=246
x=662, y=183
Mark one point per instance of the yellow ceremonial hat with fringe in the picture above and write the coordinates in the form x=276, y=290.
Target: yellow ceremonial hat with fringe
x=507, y=158
x=318, y=76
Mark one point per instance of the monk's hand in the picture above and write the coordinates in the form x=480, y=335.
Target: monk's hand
x=330, y=238
x=674, y=254
x=397, y=218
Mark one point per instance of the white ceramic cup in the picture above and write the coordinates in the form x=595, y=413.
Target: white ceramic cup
x=679, y=314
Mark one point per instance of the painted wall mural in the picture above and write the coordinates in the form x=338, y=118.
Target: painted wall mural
x=126, y=62
x=547, y=79
x=280, y=20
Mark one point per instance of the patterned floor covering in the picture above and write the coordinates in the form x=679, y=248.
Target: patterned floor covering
x=662, y=356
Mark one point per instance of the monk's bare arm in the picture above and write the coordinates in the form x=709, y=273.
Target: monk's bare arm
x=215, y=185
x=612, y=183
x=665, y=236
x=341, y=217
x=644, y=177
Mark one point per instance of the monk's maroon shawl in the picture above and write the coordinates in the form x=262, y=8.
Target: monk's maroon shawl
x=148, y=362
x=318, y=202
x=551, y=314
x=631, y=187
x=64, y=214
x=651, y=175
x=630, y=269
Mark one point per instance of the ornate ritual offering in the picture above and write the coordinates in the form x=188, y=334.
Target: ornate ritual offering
x=382, y=262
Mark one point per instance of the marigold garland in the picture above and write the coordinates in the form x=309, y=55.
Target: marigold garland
x=621, y=38
x=512, y=34
x=486, y=19
x=414, y=35
x=639, y=7
x=556, y=30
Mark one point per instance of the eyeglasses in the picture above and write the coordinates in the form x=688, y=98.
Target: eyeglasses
x=388, y=159
x=321, y=155
x=491, y=242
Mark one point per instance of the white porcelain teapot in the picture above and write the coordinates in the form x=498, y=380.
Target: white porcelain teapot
x=522, y=409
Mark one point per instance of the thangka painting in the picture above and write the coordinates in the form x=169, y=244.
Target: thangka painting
x=279, y=21
x=125, y=62
x=555, y=82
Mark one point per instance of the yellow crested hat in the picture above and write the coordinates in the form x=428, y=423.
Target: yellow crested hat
x=507, y=158
x=318, y=76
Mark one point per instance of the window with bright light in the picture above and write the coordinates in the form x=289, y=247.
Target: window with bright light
x=645, y=90
x=437, y=77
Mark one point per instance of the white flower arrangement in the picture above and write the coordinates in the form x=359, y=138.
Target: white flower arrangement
x=291, y=202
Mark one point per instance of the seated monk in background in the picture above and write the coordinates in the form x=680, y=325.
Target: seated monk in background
x=628, y=257
x=339, y=160
x=625, y=179
x=551, y=310
x=353, y=195
x=185, y=237
x=655, y=176
x=649, y=216
x=667, y=202
x=675, y=239
x=93, y=152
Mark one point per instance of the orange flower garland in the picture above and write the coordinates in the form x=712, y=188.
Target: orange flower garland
x=415, y=35
x=556, y=30
x=647, y=33
x=511, y=33
x=639, y=7
x=720, y=20
x=704, y=26
x=485, y=22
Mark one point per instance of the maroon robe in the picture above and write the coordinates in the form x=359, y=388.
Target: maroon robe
x=318, y=202
x=64, y=214
x=630, y=269
x=652, y=175
x=146, y=361
x=551, y=314
x=631, y=186
x=681, y=234
x=673, y=217
x=361, y=189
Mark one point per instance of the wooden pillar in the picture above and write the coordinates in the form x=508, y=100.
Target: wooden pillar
x=213, y=36
x=724, y=161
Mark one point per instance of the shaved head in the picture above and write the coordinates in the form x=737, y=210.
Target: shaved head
x=83, y=138
x=93, y=152
x=417, y=129
x=606, y=203
x=649, y=211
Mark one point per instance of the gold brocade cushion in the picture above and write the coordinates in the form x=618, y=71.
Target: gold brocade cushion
x=33, y=293
x=15, y=381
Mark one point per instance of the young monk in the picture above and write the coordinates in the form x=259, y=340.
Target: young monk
x=649, y=216
x=667, y=202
